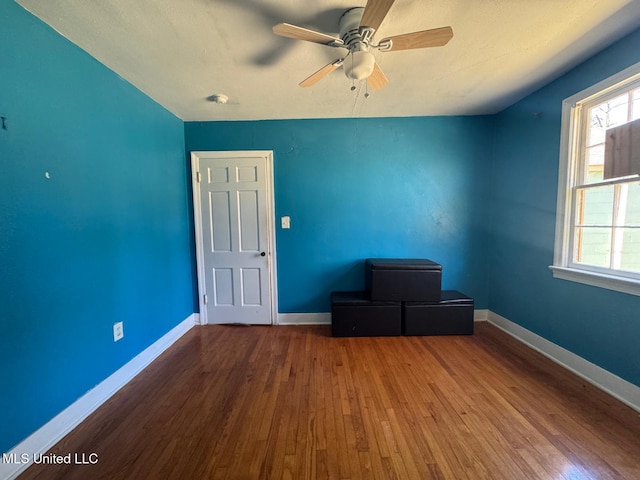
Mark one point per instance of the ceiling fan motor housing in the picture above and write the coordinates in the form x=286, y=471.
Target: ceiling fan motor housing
x=350, y=25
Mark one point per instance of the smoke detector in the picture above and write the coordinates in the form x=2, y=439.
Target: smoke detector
x=219, y=98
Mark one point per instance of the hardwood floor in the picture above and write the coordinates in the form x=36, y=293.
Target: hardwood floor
x=229, y=402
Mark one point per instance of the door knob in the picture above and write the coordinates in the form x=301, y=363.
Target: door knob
x=262, y=254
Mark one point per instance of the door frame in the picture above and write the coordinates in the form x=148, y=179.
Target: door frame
x=271, y=230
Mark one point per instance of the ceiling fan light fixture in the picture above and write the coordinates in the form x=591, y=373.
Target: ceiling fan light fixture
x=359, y=65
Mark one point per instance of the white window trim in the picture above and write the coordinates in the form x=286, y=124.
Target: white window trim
x=562, y=267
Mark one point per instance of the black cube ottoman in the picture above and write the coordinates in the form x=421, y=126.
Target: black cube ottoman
x=392, y=279
x=452, y=315
x=354, y=315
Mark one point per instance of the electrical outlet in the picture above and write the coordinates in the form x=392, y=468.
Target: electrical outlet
x=118, y=331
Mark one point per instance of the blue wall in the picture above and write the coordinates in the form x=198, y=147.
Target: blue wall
x=601, y=326
x=104, y=239
x=358, y=188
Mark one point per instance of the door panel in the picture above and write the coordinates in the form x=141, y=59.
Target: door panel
x=219, y=208
x=251, y=290
x=222, y=286
x=234, y=214
x=249, y=224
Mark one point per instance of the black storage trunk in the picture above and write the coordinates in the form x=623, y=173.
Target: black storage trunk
x=354, y=315
x=452, y=315
x=415, y=280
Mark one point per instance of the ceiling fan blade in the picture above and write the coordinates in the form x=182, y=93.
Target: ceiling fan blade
x=377, y=79
x=374, y=13
x=300, y=33
x=320, y=74
x=426, y=38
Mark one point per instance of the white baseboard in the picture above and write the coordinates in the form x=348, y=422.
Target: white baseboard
x=480, y=315
x=626, y=392
x=49, y=434
x=304, y=318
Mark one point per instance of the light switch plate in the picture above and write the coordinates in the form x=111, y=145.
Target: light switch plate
x=286, y=222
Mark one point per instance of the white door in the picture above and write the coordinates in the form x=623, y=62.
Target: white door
x=234, y=220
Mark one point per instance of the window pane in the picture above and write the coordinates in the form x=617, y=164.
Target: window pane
x=629, y=205
x=595, y=206
x=611, y=113
x=597, y=127
x=636, y=104
x=630, y=255
x=592, y=246
x=595, y=164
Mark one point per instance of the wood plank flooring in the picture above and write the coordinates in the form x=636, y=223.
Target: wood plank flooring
x=229, y=402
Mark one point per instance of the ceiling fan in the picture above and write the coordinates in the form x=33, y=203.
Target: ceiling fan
x=357, y=27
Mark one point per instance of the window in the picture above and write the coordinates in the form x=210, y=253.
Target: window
x=598, y=215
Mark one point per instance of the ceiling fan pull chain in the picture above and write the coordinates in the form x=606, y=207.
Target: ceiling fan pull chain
x=353, y=82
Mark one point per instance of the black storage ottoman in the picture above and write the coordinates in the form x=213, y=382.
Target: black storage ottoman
x=452, y=315
x=354, y=315
x=415, y=280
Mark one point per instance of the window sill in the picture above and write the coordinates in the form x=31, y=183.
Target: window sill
x=610, y=282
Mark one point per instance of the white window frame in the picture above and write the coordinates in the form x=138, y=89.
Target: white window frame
x=563, y=266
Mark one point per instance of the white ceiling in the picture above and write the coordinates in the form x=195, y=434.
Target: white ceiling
x=180, y=52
